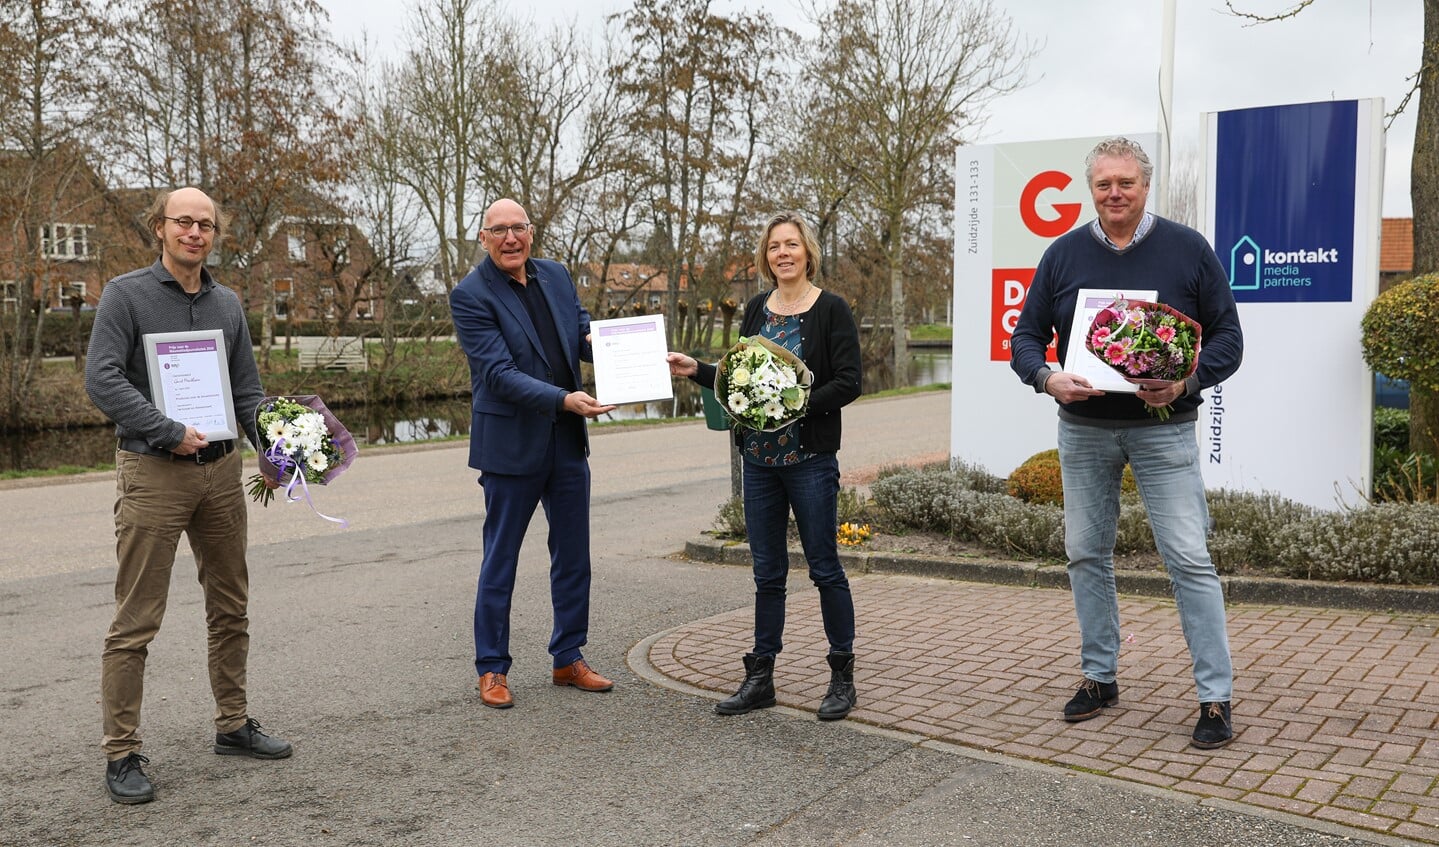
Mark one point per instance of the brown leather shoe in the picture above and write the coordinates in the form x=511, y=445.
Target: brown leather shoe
x=495, y=691
x=582, y=676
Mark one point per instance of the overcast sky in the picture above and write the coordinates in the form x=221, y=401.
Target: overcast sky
x=1097, y=71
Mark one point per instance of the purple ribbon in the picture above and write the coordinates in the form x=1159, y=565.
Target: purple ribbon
x=276, y=455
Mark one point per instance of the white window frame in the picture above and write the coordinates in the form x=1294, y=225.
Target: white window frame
x=296, y=245
x=9, y=296
x=67, y=241
x=73, y=287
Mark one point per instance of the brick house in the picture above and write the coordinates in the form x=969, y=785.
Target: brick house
x=630, y=284
x=69, y=237
x=1396, y=251
x=78, y=233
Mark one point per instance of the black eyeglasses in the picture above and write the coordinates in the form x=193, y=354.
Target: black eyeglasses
x=185, y=223
x=502, y=231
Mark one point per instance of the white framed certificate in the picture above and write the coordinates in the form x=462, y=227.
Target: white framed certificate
x=630, y=364
x=1077, y=358
x=190, y=381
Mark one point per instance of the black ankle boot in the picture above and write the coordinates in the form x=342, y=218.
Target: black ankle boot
x=757, y=690
x=841, y=696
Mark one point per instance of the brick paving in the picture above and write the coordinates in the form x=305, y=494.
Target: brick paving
x=1337, y=711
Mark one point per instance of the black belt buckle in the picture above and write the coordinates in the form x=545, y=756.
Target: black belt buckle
x=211, y=452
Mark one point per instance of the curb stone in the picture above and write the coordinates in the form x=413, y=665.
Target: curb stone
x=1261, y=591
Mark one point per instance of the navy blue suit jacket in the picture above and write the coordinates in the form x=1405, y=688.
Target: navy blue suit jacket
x=515, y=402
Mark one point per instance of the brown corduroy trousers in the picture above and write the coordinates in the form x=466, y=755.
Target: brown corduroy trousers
x=156, y=499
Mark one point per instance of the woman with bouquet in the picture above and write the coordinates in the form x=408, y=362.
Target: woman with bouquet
x=792, y=467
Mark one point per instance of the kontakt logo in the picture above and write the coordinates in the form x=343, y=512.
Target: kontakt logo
x=1252, y=268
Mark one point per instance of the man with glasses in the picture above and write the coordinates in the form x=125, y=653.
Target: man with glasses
x=172, y=479
x=524, y=331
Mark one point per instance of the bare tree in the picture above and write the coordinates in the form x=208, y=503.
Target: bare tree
x=386, y=212
x=447, y=77
x=560, y=128
x=241, y=100
x=48, y=103
x=602, y=225
x=903, y=80
x=1183, y=188
x=700, y=80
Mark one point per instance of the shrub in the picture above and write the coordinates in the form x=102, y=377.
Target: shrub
x=1134, y=534
x=851, y=505
x=1011, y=525
x=968, y=504
x=729, y=523
x=1399, y=341
x=1038, y=479
x=1246, y=526
x=973, y=477
x=1405, y=477
x=924, y=498
x=913, y=498
x=1391, y=428
x=1398, y=332
x=1393, y=542
x=1388, y=542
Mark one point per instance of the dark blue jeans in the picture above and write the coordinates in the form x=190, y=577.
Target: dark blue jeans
x=811, y=489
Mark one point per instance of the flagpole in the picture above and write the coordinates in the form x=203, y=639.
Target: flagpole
x=1166, y=105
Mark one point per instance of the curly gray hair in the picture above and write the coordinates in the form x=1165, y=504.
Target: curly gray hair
x=1120, y=147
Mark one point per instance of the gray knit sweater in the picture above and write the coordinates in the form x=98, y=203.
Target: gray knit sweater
x=150, y=300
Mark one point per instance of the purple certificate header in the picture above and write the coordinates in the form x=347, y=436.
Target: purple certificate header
x=167, y=348
x=628, y=329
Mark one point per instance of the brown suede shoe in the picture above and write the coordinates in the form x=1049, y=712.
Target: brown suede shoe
x=582, y=676
x=495, y=691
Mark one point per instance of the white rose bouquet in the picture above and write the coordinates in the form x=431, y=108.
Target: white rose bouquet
x=761, y=385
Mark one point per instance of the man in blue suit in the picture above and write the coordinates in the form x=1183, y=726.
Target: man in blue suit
x=521, y=324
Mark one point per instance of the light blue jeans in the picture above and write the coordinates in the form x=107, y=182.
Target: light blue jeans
x=1165, y=461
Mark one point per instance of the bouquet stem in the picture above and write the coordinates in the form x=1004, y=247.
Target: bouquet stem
x=259, y=491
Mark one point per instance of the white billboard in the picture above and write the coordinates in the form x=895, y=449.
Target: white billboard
x=1292, y=204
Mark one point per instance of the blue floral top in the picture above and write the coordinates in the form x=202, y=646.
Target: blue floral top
x=780, y=447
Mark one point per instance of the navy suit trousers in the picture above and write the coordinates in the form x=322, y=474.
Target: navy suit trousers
x=562, y=486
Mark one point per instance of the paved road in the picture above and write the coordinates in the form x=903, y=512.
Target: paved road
x=361, y=656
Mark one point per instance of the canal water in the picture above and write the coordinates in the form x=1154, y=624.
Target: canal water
x=417, y=421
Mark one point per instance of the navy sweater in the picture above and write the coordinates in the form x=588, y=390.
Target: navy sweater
x=1172, y=259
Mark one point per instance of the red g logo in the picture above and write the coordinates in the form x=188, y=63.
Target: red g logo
x=1068, y=213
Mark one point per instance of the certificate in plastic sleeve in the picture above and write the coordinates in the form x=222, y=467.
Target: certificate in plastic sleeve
x=630, y=364
x=190, y=381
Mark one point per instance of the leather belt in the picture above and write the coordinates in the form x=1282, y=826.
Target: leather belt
x=213, y=451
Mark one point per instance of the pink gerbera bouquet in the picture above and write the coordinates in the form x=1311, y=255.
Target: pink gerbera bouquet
x=1150, y=344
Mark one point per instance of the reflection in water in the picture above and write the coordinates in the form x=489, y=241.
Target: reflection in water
x=417, y=421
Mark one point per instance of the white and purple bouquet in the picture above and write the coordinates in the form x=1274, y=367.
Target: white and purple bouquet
x=301, y=443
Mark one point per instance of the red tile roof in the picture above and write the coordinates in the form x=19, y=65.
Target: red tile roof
x=1396, y=245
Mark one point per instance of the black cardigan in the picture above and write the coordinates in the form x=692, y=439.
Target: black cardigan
x=829, y=340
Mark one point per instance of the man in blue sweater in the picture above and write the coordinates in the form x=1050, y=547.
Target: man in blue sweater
x=1126, y=247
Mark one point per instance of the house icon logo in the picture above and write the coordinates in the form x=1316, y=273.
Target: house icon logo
x=1244, y=265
